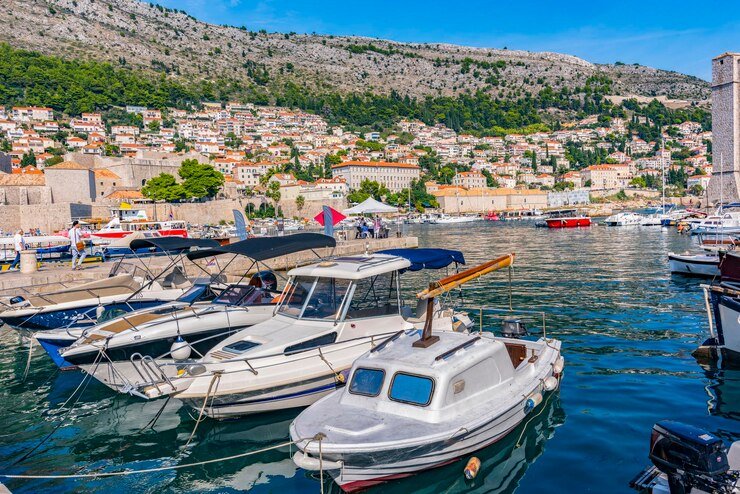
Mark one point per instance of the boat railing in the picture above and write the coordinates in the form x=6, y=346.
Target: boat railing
x=485, y=314
x=149, y=370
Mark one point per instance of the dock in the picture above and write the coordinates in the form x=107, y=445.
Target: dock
x=54, y=276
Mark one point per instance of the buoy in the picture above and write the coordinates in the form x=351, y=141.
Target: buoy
x=180, y=350
x=471, y=469
x=557, y=367
x=551, y=383
x=532, y=402
x=99, y=311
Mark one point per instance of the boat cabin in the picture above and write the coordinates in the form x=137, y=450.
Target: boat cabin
x=435, y=382
x=345, y=288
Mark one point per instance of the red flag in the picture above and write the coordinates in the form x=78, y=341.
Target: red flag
x=336, y=217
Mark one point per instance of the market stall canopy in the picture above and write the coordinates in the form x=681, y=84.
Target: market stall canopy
x=370, y=205
x=170, y=244
x=427, y=258
x=260, y=249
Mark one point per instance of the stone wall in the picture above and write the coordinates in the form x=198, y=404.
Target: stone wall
x=48, y=218
x=725, y=181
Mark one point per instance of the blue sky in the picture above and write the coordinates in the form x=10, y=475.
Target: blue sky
x=674, y=35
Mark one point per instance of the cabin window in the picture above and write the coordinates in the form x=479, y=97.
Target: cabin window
x=411, y=389
x=326, y=339
x=375, y=296
x=367, y=382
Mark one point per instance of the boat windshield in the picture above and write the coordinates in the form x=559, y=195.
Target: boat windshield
x=314, y=298
x=335, y=298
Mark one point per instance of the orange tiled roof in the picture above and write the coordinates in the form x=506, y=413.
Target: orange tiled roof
x=379, y=164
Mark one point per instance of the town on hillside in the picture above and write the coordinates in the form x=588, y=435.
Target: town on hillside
x=280, y=161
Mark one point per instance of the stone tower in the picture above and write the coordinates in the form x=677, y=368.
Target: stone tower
x=725, y=128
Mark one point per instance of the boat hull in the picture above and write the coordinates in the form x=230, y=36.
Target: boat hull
x=726, y=312
x=694, y=265
x=568, y=222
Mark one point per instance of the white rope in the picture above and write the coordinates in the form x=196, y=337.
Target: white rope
x=216, y=378
x=150, y=470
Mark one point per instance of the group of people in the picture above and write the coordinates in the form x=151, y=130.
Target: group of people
x=76, y=245
x=372, y=228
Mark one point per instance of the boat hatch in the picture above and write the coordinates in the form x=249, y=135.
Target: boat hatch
x=240, y=346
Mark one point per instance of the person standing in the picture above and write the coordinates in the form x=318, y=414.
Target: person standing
x=19, y=245
x=77, y=245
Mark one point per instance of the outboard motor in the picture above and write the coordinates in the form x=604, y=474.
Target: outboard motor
x=513, y=328
x=691, y=457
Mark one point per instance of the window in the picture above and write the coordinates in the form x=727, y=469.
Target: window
x=411, y=389
x=233, y=295
x=374, y=296
x=326, y=339
x=314, y=298
x=367, y=382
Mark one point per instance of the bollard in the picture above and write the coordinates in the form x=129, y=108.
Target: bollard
x=28, y=261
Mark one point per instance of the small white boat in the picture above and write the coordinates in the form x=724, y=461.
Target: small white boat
x=412, y=405
x=445, y=219
x=694, y=264
x=625, y=218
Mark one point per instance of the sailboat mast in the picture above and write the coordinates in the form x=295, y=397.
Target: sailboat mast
x=662, y=163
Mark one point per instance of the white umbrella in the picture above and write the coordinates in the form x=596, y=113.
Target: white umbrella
x=370, y=205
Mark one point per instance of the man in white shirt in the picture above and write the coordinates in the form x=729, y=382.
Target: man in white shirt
x=18, y=245
x=77, y=245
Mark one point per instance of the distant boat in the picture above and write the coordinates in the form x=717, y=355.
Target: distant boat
x=444, y=219
x=625, y=218
x=567, y=218
x=126, y=221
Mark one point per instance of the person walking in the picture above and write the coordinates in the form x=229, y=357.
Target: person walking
x=18, y=245
x=77, y=245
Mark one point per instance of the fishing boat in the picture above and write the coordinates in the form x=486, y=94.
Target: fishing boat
x=415, y=403
x=624, y=218
x=128, y=287
x=125, y=221
x=138, y=346
x=330, y=313
x=566, y=218
x=705, y=264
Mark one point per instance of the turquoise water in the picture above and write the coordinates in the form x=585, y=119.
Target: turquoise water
x=628, y=329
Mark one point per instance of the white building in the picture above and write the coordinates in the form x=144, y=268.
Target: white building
x=395, y=176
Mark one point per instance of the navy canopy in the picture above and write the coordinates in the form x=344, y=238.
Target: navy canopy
x=263, y=248
x=169, y=244
x=427, y=258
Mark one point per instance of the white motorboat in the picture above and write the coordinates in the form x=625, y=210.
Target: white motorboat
x=412, y=405
x=330, y=313
x=126, y=352
x=445, y=219
x=624, y=218
x=694, y=264
x=726, y=220
x=127, y=288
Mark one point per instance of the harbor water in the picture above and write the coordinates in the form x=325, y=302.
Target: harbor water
x=628, y=329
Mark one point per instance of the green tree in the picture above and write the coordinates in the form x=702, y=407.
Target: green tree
x=232, y=141
x=273, y=191
x=154, y=126
x=697, y=190
x=300, y=201
x=163, y=187
x=200, y=180
x=28, y=159
x=638, y=182
x=368, y=188
x=53, y=160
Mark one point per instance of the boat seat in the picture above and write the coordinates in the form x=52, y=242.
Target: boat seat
x=123, y=324
x=115, y=285
x=176, y=279
x=517, y=353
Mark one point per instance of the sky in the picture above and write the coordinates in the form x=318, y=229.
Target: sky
x=675, y=35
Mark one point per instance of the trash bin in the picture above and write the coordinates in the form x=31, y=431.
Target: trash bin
x=28, y=261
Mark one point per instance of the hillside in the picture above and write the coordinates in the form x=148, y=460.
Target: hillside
x=132, y=34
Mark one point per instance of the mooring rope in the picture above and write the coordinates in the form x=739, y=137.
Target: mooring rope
x=150, y=470
x=216, y=379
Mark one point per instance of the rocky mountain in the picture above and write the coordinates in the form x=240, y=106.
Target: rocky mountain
x=141, y=35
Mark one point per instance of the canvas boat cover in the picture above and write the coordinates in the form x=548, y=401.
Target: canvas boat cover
x=260, y=249
x=427, y=258
x=169, y=244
